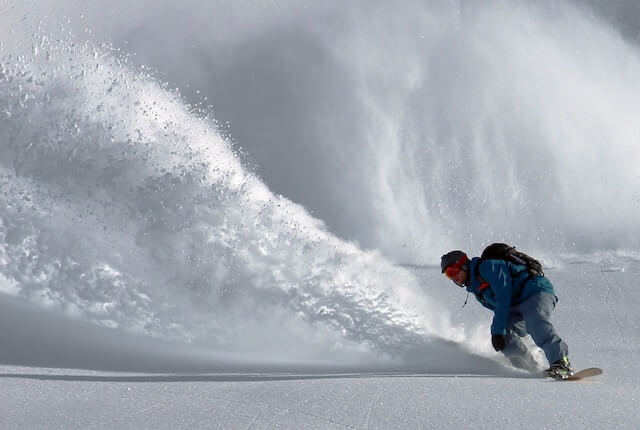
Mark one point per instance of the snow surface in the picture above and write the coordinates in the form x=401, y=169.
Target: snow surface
x=597, y=315
x=271, y=260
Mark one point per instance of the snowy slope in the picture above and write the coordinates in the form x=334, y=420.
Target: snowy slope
x=230, y=213
x=596, y=315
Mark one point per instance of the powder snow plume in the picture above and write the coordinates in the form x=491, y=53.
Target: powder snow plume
x=126, y=207
x=272, y=222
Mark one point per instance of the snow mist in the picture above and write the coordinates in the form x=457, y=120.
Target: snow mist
x=415, y=129
x=122, y=205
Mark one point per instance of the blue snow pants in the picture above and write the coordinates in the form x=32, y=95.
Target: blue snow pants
x=532, y=317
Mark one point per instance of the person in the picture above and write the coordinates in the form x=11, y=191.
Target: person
x=522, y=304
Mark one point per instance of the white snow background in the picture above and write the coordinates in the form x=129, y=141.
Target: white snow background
x=230, y=214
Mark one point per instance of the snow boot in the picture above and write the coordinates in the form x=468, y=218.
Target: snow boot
x=561, y=369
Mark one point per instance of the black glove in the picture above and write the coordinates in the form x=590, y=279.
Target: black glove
x=498, y=341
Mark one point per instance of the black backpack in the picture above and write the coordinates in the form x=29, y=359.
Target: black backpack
x=502, y=251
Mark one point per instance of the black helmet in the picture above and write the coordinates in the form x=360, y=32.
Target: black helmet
x=451, y=258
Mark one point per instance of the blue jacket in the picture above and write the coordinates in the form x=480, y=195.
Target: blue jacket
x=508, y=286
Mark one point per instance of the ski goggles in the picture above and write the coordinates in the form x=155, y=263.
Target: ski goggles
x=453, y=270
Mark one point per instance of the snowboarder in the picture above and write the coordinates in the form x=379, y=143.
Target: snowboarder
x=522, y=304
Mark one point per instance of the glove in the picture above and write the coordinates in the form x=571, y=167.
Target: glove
x=498, y=341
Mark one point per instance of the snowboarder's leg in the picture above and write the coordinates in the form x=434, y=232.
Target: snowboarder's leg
x=516, y=351
x=536, y=311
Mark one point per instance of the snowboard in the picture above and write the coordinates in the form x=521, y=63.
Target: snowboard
x=582, y=374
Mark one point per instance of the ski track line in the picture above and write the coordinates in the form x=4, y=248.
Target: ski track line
x=370, y=408
x=204, y=417
x=220, y=399
x=603, y=421
x=189, y=395
x=348, y=404
x=609, y=286
x=257, y=416
x=266, y=405
x=138, y=412
x=323, y=419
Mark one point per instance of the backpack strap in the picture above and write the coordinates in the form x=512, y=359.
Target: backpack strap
x=484, y=285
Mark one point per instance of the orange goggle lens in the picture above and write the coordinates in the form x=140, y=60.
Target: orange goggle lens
x=452, y=271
